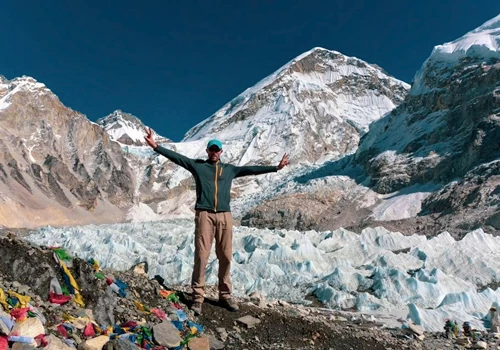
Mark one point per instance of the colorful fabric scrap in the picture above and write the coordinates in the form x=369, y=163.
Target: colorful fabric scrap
x=141, y=307
x=165, y=293
x=70, y=281
x=7, y=321
x=62, y=330
x=4, y=342
x=159, y=313
x=99, y=275
x=41, y=340
x=89, y=331
x=61, y=254
x=195, y=328
x=23, y=299
x=94, y=263
x=178, y=324
x=19, y=314
x=58, y=298
x=3, y=300
x=181, y=315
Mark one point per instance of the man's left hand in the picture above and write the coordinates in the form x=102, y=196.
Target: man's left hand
x=283, y=162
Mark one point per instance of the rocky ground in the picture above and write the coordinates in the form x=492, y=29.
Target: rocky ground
x=147, y=313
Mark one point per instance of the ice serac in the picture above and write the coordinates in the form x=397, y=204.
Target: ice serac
x=56, y=167
x=375, y=271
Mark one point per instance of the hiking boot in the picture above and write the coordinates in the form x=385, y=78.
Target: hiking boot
x=196, y=307
x=229, y=304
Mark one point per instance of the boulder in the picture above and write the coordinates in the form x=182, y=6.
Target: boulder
x=31, y=327
x=200, y=343
x=165, y=334
x=96, y=343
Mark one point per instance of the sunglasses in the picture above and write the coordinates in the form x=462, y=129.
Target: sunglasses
x=214, y=149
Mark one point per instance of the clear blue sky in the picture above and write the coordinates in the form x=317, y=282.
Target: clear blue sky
x=173, y=64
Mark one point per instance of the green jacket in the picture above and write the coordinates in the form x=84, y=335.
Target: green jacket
x=213, y=180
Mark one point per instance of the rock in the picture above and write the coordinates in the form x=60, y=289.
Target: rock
x=54, y=343
x=166, y=334
x=104, y=311
x=258, y=299
x=12, y=235
x=200, y=343
x=283, y=303
x=215, y=344
x=4, y=329
x=23, y=289
x=120, y=344
x=119, y=309
x=418, y=330
x=248, y=321
x=420, y=337
x=222, y=333
x=238, y=337
x=76, y=338
x=31, y=327
x=480, y=345
x=96, y=343
x=24, y=346
x=6, y=326
x=462, y=341
x=141, y=268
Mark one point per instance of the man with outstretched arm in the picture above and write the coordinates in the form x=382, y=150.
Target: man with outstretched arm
x=213, y=218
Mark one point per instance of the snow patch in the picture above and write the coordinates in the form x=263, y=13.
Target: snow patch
x=403, y=204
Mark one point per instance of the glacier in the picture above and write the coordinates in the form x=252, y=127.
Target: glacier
x=375, y=272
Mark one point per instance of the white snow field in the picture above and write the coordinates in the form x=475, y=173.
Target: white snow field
x=375, y=271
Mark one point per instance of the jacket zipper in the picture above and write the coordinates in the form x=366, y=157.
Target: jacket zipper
x=216, y=185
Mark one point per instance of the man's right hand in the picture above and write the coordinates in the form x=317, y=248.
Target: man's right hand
x=150, y=139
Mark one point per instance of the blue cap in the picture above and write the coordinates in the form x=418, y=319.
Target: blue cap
x=214, y=142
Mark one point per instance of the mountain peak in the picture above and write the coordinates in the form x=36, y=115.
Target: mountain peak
x=28, y=83
x=484, y=41
x=125, y=128
x=23, y=83
x=321, y=100
x=479, y=45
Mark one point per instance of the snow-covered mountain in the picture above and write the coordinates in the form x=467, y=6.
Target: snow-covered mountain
x=445, y=133
x=447, y=129
x=315, y=107
x=127, y=129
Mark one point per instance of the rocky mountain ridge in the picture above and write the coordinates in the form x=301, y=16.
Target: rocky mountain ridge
x=48, y=172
